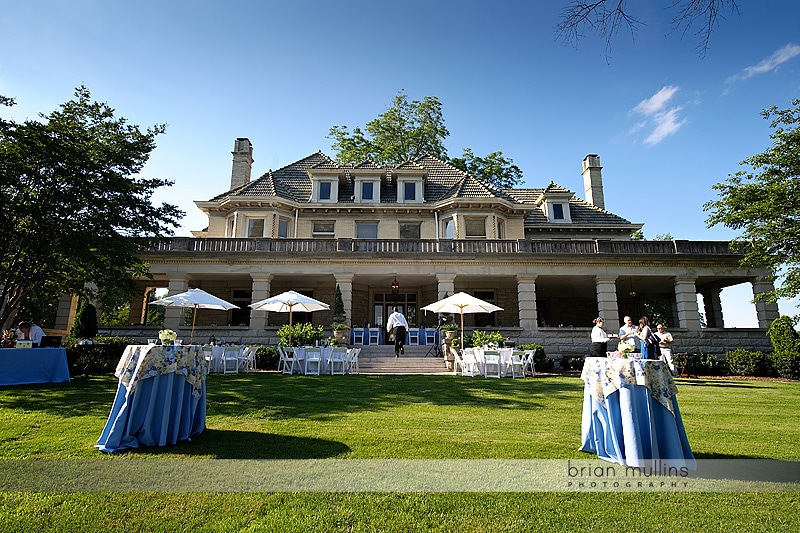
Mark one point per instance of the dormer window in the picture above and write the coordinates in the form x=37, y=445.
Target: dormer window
x=324, y=190
x=367, y=189
x=558, y=211
x=409, y=190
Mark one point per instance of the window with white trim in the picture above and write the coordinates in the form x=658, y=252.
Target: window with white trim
x=409, y=191
x=324, y=190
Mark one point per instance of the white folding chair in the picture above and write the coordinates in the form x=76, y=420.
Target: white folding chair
x=313, y=361
x=516, y=364
x=230, y=359
x=247, y=359
x=208, y=355
x=413, y=336
x=527, y=363
x=292, y=360
x=469, y=362
x=282, y=359
x=491, y=364
x=458, y=361
x=358, y=336
x=352, y=360
x=338, y=360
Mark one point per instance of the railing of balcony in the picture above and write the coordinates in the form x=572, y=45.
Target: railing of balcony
x=429, y=246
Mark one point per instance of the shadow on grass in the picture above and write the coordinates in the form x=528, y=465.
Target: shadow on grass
x=82, y=396
x=277, y=396
x=231, y=444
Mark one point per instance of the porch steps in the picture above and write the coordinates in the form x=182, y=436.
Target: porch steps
x=380, y=360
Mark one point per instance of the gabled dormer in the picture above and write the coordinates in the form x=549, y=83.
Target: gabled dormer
x=367, y=179
x=325, y=178
x=410, y=180
x=554, y=203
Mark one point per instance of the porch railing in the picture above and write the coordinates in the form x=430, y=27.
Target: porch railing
x=431, y=246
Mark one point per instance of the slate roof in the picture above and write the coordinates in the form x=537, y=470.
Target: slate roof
x=443, y=181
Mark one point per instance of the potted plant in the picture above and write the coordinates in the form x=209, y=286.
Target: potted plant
x=450, y=330
x=341, y=333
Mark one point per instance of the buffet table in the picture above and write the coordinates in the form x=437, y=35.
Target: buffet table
x=631, y=415
x=160, y=400
x=24, y=366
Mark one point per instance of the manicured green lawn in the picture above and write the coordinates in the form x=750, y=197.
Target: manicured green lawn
x=271, y=416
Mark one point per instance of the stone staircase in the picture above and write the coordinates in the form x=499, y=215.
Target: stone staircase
x=380, y=360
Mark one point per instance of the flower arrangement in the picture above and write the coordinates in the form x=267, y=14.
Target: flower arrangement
x=9, y=338
x=167, y=336
x=623, y=349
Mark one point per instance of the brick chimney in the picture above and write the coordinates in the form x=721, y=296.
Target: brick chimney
x=242, y=162
x=593, y=181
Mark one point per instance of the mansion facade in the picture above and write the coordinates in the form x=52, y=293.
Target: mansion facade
x=410, y=234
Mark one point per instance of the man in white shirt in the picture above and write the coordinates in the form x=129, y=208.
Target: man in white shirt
x=30, y=332
x=399, y=324
x=627, y=333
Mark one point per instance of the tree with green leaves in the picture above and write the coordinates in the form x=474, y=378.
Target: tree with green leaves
x=408, y=130
x=74, y=210
x=764, y=204
x=494, y=168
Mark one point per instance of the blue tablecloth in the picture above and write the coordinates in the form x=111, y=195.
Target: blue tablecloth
x=23, y=366
x=631, y=415
x=160, y=400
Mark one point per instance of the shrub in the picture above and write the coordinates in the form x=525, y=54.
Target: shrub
x=302, y=334
x=85, y=324
x=786, y=343
x=99, y=358
x=266, y=357
x=746, y=363
x=710, y=365
x=541, y=362
x=484, y=338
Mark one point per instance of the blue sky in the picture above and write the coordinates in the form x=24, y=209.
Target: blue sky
x=667, y=123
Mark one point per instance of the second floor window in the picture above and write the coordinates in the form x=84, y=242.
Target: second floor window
x=283, y=228
x=322, y=230
x=255, y=227
x=475, y=227
x=366, y=230
x=449, y=229
x=410, y=231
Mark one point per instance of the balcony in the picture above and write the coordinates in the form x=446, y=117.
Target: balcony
x=181, y=245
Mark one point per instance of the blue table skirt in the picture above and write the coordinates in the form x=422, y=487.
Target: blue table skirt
x=162, y=410
x=632, y=429
x=24, y=366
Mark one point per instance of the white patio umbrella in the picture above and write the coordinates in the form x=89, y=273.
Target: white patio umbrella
x=289, y=301
x=196, y=299
x=461, y=303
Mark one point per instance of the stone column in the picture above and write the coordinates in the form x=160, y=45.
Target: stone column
x=173, y=316
x=686, y=300
x=713, y=305
x=345, y=283
x=526, y=291
x=447, y=284
x=766, y=312
x=260, y=288
x=607, y=308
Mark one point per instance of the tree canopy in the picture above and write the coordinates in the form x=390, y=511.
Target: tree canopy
x=605, y=18
x=408, y=130
x=74, y=211
x=764, y=204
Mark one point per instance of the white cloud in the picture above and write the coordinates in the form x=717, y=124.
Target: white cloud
x=779, y=57
x=662, y=119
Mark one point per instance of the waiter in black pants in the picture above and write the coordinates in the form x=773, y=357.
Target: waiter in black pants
x=398, y=325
